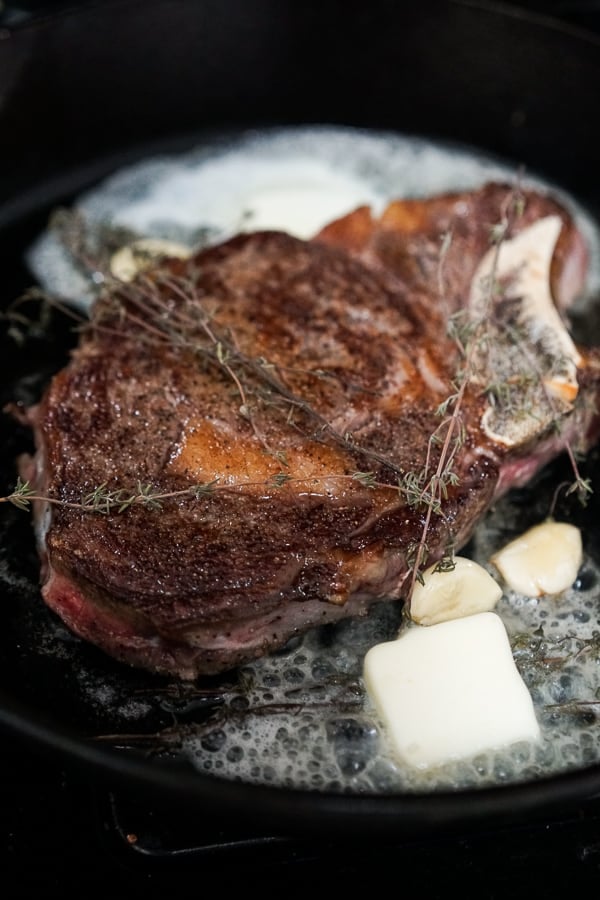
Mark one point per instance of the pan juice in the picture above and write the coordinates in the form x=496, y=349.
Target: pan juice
x=304, y=719
x=301, y=717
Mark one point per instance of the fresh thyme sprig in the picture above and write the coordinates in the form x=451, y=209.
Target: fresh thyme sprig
x=429, y=488
x=105, y=500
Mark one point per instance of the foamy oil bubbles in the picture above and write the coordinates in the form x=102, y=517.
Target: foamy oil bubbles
x=295, y=178
x=556, y=646
x=303, y=718
x=298, y=718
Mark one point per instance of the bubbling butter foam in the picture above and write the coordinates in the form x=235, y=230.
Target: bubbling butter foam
x=295, y=179
x=301, y=717
x=306, y=721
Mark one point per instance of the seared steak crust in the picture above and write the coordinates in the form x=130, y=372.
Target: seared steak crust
x=251, y=384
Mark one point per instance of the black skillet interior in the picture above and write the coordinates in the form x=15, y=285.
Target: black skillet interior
x=88, y=90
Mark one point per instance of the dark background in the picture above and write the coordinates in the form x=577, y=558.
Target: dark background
x=582, y=13
x=63, y=834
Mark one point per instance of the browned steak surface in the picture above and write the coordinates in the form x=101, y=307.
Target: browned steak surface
x=274, y=400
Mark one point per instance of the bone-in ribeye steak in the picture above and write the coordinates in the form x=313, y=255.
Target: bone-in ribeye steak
x=253, y=381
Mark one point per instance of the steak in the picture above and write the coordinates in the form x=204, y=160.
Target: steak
x=276, y=433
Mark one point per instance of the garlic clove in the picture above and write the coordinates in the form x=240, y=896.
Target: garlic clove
x=543, y=560
x=131, y=259
x=464, y=590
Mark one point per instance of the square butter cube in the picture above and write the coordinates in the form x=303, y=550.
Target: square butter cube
x=448, y=691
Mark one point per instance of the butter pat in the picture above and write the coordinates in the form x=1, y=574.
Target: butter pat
x=543, y=560
x=449, y=691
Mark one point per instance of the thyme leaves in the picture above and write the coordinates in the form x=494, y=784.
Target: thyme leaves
x=104, y=500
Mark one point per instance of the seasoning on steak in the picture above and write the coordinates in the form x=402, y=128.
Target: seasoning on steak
x=286, y=393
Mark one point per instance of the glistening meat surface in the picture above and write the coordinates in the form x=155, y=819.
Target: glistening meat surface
x=275, y=401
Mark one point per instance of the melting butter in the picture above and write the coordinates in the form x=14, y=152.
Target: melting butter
x=450, y=691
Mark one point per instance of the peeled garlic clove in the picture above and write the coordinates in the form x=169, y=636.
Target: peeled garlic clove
x=133, y=258
x=543, y=560
x=462, y=591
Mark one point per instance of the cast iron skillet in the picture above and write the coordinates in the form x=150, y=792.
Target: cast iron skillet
x=88, y=90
